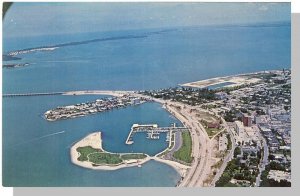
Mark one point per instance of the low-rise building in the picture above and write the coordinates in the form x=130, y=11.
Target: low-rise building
x=278, y=175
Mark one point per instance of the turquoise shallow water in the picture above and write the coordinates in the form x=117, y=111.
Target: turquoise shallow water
x=32, y=157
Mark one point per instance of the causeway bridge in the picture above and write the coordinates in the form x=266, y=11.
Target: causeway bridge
x=31, y=94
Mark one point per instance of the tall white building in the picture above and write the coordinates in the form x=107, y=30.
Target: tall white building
x=242, y=135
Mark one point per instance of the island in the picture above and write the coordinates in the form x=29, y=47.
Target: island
x=89, y=153
x=100, y=105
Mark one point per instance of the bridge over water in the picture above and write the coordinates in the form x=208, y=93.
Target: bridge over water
x=32, y=94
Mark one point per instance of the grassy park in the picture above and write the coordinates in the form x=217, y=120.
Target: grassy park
x=185, y=151
x=85, y=151
x=133, y=156
x=98, y=157
x=105, y=158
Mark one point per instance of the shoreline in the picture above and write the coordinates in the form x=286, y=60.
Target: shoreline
x=94, y=140
x=181, y=169
x=196, y=174
x=119, y=93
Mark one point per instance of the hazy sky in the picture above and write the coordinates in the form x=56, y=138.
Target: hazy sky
x=29, y=19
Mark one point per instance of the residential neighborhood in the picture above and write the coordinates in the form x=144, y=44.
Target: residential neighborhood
x=259, y=116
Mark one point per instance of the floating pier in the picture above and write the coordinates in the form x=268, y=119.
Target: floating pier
x=153, y=131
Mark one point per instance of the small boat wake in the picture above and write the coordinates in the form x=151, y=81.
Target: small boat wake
x=38, y=138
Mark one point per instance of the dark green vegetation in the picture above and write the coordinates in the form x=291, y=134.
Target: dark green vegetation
x=185, y=151
x=238, y=171
x=237, y=151
x=230, y=116
x=133, y=156
x=98, y=157
x=270, y=182
x=229, y=143
x=105, y=158
x=229, y=89
x=186, y=95
x=85, y=151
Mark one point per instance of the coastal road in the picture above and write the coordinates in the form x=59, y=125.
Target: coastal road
x=263, y=163
x=195, y=140
x=201, y=149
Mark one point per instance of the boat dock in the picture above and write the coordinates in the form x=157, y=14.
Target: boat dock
x=153, y=131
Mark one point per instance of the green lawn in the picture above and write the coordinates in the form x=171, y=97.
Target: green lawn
x=105, y=158
x=97, y=157
x=133, y=156
x=185, y=151
x=84, y=151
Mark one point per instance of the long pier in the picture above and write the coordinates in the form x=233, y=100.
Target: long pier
x=153, y=131
x=81, y=92
x=32, y=94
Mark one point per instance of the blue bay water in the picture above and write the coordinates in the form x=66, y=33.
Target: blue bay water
x=33, y=159
x=157, y=61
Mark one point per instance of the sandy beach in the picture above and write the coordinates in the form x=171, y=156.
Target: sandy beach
x=180, y=168
x=94, y=140
x=98, y=92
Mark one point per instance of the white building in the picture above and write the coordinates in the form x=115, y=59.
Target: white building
x=279, y=175
x=242, y=135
